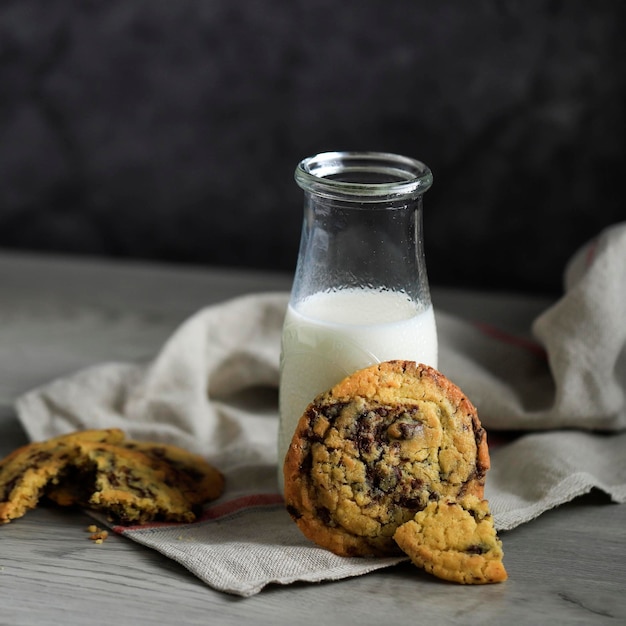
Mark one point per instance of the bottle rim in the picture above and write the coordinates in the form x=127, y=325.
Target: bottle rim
x=363, y=176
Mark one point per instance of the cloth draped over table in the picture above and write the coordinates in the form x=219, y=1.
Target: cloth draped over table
x=212, y=389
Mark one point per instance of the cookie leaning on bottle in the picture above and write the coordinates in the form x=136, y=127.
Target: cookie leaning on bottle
x=375, y=450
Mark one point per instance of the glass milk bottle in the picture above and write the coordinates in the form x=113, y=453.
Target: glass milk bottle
x=360, y=294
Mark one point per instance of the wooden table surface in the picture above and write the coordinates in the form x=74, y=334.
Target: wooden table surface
x=60, y=314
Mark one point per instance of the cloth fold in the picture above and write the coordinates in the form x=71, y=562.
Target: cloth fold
x=212, y=389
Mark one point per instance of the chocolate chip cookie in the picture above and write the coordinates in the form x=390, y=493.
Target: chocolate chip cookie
x=375, y=450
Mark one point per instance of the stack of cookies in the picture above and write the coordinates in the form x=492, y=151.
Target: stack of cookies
x=131, y=482
x=393, y=459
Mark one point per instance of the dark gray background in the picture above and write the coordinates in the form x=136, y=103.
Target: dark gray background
x=169, y=129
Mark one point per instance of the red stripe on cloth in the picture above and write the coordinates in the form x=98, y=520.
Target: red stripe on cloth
x=245, y=502
x=514, y=340
x=215, y=512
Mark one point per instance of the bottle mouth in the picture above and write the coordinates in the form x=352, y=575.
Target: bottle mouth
x=363, y=176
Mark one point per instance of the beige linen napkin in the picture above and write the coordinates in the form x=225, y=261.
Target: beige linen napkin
x=212, y=389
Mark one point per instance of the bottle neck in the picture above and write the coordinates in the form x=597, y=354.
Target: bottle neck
x=348, y=244
x=362, y=224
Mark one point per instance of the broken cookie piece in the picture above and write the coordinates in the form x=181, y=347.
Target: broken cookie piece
x=131, y=482
x=455, y=541
x=27, y=472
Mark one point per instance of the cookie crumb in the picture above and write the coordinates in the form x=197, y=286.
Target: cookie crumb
x=98, y=535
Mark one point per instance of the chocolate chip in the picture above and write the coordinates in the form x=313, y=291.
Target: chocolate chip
x=113, y=479
x=295, y=514
x=324, y=515
x=477, y=549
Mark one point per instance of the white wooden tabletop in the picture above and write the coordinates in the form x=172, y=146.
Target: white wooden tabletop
x=60, y=314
